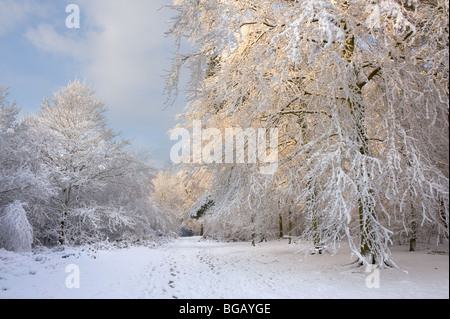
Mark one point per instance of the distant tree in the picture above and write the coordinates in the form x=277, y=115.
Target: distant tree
x=173, y=192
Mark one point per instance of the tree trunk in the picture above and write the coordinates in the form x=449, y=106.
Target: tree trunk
x=412, y=243
x=61, y=231
x=281, y=234
x=413, y=238
x=290, y=227
x=366, y=230
x=67, y=194
x=317, y=242
x=253, y=231
x=358, y=112
x=366, y=238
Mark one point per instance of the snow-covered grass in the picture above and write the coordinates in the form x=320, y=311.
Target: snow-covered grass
x=195, y=268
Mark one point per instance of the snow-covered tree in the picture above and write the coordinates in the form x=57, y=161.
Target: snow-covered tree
x=175, y=193
x=21, y=178
x=95, y=176
x=169, y=195
x=359, y=93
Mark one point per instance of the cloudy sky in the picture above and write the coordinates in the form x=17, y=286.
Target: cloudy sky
x=120, y=49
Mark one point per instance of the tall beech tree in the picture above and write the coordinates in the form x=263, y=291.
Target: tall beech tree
x=359, y=93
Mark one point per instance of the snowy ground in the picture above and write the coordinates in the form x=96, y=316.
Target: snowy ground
x=196, y=269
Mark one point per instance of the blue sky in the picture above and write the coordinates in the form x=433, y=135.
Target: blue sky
x=120, y=49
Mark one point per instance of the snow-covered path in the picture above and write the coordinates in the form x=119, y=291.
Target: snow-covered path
x=193, y=269
x=196, y=269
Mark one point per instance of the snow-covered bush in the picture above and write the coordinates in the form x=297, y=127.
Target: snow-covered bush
x=16, y=233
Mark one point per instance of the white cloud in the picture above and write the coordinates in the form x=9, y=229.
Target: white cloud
x=121, y=45
x=45, y=38
x=121, y=49
x=15, y=14
x=12, y=14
